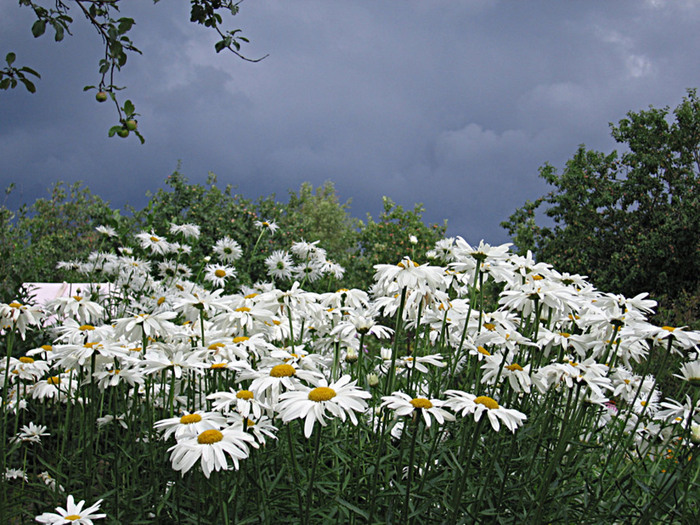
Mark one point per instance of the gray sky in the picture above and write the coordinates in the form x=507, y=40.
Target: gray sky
x=455, y=104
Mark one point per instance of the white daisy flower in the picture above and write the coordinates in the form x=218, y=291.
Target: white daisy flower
x=269, y=225
x=269, y=383
x=279, y=265
x=72, y=514
x=244, y=400
x=134, y=328
x=403, y=405
x=19, y=316
x=466, y=403
x=188, y=231
x=228, y=250
x=31, y=433
x=16, y=473
x=262, y=428
x=155, y=244
x=210, y=447
x=190, y=425
x=218, y=274
x=107, y=231
x=690, y=372
x=341, y=399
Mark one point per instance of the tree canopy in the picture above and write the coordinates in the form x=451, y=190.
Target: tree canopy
x=630, y=220
x=113, y=30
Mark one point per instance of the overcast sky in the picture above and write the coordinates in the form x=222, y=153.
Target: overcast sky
x=455, y=104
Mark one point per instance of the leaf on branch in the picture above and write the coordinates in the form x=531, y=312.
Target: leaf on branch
x=29, y=70
x=10, y=58
x=129, y=108
x=113, y=130
x=38, y=28
x=28, y=84
x=58, y=28
x=125, y=24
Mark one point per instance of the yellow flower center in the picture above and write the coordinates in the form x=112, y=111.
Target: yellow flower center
x=668, y=328
x=215, y=346
x=490, y=326
x=86, y=327
x=240, y=339
x=54, y=380
x=77, y=298
x=537, y=277
x=219, y=365
x=154, y=238
x=243, y=309
x=514, y=367
x=487, y=402
x=566, y=335
x=46, y=348
x=244, y=394
x=250, y=296
x=190, y=418
x=265, y=223
x=14, y=305
x=161, y=300
x=209, y=437
x=220, y=273
x=421, y=402
x=322, y=393
x=71, y=517
x=25, y=359
x=482, y=350
x=282, y=371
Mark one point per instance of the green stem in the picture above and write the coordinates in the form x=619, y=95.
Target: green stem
x=464, y=463
x=314, y=462
x=411, y=456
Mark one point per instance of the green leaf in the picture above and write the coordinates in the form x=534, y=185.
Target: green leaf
x=10, y=58
x=38, y=28
x=125, y=24
x=113, y=130
x=129, y=108
x=5, y=83
x=29, y=70
x=59, y=32
x=353, y=508
x=28, y=84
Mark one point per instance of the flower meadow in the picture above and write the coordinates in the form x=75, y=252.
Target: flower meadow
x=468, y=385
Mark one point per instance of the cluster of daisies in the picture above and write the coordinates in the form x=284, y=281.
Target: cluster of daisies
x=231, y=369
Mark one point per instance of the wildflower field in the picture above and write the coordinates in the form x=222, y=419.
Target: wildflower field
x=477, y=387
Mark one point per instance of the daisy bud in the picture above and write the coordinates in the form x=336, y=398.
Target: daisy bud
x=351, y=356
x=372, y=380
x=695, y=433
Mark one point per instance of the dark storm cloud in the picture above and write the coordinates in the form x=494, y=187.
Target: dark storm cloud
x=453, y=104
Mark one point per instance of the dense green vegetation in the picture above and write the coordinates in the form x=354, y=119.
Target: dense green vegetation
x=629, y=220
x=62, y=227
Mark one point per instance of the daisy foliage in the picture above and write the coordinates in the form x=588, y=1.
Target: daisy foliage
x=193, y=395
